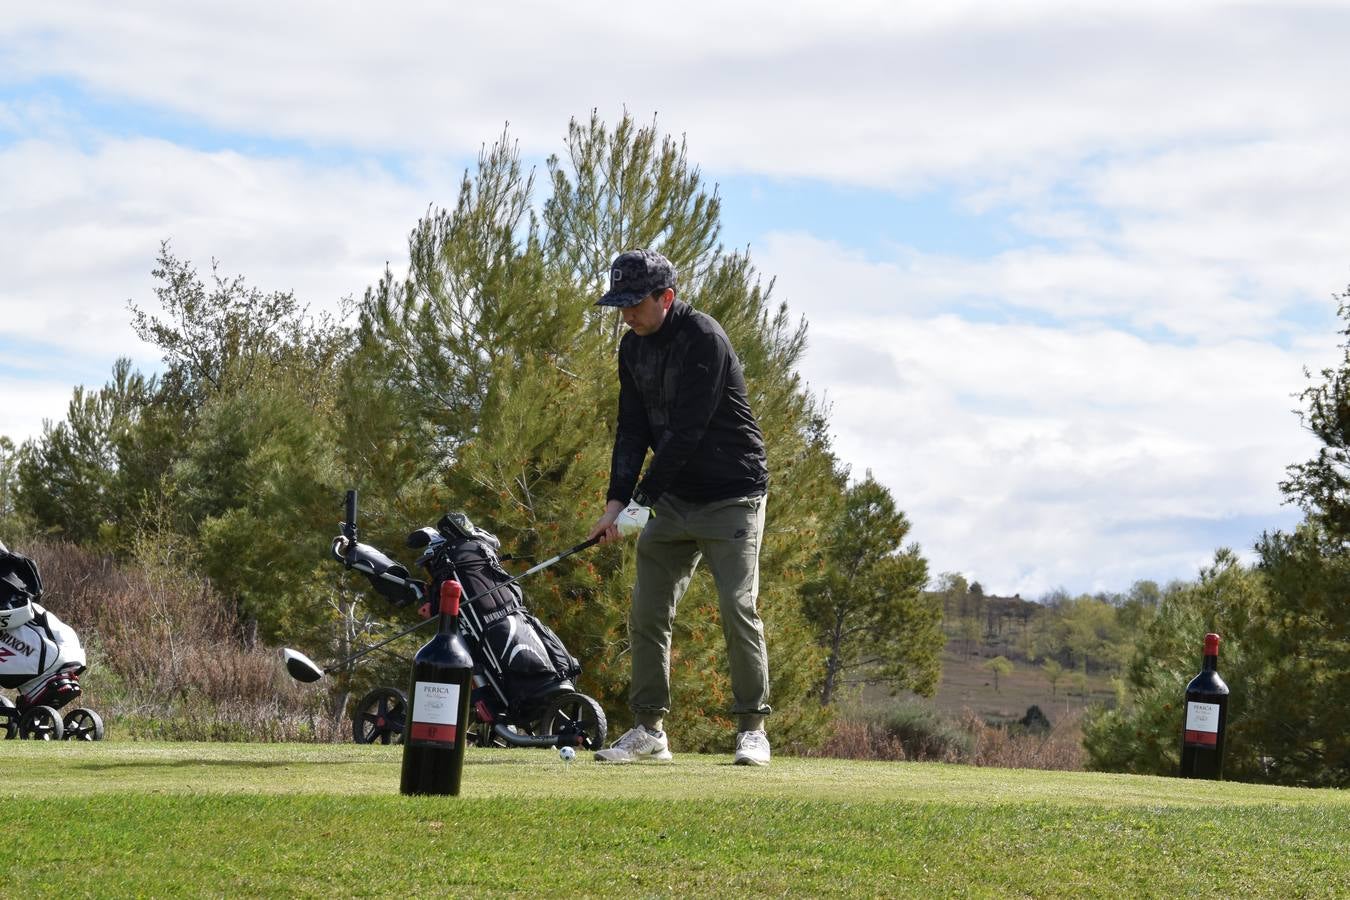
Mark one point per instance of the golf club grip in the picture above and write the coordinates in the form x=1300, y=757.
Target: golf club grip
x=351, y=508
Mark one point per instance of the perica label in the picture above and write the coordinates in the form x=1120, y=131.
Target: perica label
x=435, y=712
x=1202, y=724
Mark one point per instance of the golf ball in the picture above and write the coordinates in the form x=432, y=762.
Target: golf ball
x=567, y=753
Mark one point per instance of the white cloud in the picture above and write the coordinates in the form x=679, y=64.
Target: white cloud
x=869, y=93
x=26, y=401
x=1033, y=456
x=1098, y=401
x=83, y=227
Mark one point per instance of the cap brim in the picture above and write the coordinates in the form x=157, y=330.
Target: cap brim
x=620, y=299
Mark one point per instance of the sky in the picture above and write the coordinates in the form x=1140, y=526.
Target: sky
x=1064, y=265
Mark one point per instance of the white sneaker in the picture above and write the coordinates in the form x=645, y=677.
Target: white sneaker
x=752, y=748
x=636, y=745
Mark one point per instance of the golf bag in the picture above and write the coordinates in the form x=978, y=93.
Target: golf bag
x=524, y=694
x=40, y=656
x=514, y=648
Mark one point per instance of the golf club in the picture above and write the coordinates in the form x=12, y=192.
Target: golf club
x=302, y=668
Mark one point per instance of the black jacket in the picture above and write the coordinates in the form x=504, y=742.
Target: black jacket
x=682, y=394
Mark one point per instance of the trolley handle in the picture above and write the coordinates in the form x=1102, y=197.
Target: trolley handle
x=349, y=530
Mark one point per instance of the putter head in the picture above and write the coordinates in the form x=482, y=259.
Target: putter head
x=300, y=666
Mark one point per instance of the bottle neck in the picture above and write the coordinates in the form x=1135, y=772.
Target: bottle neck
x=447, y=604
x=1211, y=663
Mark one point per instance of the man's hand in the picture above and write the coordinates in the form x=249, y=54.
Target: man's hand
x=605, y=528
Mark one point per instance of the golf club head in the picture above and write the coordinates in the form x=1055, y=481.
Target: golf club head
x=300, y=666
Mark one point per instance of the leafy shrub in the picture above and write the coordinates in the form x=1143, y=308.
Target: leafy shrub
x=923, y=732
x=168, y=658
x=912, y=729
x=1035, y=720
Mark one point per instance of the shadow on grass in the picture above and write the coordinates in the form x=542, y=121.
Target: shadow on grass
x=513, y=760
x=259, y=764
x=190, y=763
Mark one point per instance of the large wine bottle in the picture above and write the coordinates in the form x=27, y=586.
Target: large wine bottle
x=438, y=701
x=1206, y=718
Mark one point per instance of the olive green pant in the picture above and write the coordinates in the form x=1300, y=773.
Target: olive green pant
x=727, y=533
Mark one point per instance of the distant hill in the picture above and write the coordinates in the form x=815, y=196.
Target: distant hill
x=966, y=684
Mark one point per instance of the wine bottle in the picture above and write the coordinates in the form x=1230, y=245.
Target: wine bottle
x=438, y=701
x=1206, y=718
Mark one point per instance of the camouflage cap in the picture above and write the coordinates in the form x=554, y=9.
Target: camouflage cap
x=635, y=274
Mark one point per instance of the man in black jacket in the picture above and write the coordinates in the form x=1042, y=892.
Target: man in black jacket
x=682, y=395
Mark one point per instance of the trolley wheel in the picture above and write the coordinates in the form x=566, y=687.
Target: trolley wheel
x=41, y=723
x=575, y=716
x=482, y=735
x=9, y=719
x=379, y=717
x=83, y=725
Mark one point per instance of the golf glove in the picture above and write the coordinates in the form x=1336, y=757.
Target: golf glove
x=633, y=518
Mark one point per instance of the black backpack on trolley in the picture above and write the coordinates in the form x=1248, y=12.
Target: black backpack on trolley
x=510, y=643
x=524, y=692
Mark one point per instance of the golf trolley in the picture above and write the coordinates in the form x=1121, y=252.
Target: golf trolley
x=41, y=657
x=524, y=692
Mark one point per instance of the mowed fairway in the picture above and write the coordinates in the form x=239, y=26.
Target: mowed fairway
x=119, y=819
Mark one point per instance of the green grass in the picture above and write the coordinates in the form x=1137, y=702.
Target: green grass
x=121, y=819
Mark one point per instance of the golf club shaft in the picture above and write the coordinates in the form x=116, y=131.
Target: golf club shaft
x=332, y=667
x=545, y=564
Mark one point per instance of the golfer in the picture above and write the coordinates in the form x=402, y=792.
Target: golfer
x=682, y=395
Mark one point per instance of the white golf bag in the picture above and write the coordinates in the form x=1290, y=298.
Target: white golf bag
x=44, y=649
x=40, y=657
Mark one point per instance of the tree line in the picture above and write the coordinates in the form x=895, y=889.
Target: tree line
x=480, y=379
x=1089, y=633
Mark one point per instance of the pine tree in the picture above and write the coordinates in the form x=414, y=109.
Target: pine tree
x=494, y=348
x=78, y=479
x=252, y=477
x=867, y=600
